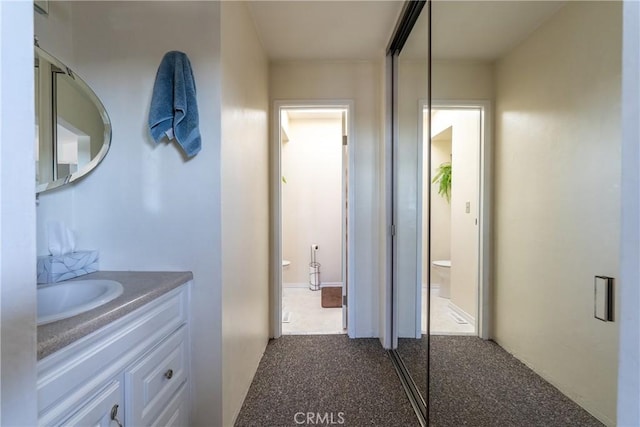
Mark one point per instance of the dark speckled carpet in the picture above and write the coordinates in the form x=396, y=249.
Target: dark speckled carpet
x=332, y=380
x=477, y=383
x=319, y=376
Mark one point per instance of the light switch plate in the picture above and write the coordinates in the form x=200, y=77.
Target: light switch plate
x=603, y=298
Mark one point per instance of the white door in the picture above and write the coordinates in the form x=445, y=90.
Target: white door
x=345, y=217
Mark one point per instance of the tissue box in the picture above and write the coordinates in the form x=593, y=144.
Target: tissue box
x=63, y=267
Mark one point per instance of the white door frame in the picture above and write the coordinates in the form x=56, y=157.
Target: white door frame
x=275, y=253
x=483, y=317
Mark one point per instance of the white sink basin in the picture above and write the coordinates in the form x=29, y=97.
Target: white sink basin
x=61, y=300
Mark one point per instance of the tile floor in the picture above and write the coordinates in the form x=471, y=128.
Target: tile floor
x=442, y=322
x=306, y=315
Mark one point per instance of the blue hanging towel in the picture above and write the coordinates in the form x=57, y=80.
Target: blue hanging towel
x=174, y=111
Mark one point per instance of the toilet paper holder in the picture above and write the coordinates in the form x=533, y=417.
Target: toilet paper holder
x=314, y=269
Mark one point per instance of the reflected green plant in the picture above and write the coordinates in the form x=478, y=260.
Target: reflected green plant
x=443, y=179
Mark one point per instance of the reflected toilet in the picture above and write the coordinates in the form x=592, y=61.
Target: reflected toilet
x=443, y=277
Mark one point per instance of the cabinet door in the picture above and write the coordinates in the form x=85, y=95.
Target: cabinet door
x=155, y=379
x=176, y=413
x=98, y=411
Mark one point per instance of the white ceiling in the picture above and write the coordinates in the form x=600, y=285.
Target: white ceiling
x=478, y=30
x=340, y=30
x=352, y=30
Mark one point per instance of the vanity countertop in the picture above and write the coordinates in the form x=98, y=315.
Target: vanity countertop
x=138, y=289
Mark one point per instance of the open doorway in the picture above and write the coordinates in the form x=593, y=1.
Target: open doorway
x=457, y=220
x=313, y=216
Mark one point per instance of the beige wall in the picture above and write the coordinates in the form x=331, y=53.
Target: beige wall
x=312, y=199
x=462, y=80
x=454, y=231
x=54, y=31
x=245, y=205
x=557, y=200
x=464, y=229
x=158, y=190
x=358, y=81
x=78, y=110
x=145, y=207
x=440, y=207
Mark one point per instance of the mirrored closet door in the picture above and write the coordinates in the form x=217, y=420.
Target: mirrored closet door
x=410, y=241
x=438, y=262
x=506, y=169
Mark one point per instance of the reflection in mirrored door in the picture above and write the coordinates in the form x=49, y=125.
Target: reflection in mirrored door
x=458, y=142
x=411, y=298
x=523, y=165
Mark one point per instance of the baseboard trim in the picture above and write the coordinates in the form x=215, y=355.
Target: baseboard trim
x=466, y=316
x=306, y=285
x=331, y=284
x=295, y=285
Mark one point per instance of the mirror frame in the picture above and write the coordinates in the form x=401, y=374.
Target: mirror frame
x=412, y=11
x=106, y=143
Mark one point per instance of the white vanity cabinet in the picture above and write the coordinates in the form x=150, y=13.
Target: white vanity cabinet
x=102, y=410
x=132, y=372
x=152, y=382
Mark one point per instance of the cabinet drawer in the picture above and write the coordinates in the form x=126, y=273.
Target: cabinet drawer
x=154, y=380
x=97, y=412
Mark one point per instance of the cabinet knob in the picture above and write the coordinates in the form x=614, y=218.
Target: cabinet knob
x=169, y=374
x=114, y=415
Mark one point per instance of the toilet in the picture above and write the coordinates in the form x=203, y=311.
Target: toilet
x=443, y=277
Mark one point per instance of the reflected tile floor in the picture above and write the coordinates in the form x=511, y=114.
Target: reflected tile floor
x=306, y=315
x=442, y=323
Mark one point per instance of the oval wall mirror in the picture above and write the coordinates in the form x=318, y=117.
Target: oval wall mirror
x=73, y=130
